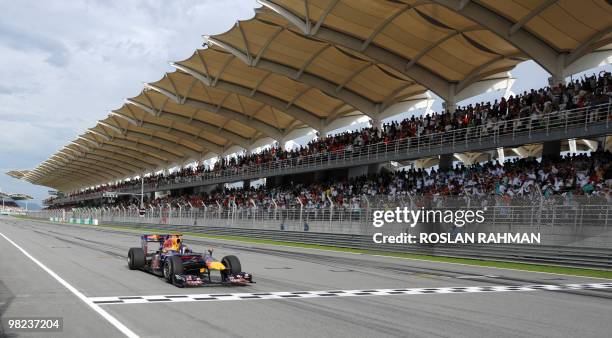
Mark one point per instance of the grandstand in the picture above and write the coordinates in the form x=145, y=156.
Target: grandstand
x=9, y=204
x=371, y=168
x=228, y=112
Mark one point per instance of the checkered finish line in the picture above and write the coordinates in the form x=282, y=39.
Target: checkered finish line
x=338, y=293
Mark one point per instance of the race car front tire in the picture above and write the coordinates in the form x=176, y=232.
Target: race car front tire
x=174, y=266
x=136, y=258
x=232, y=264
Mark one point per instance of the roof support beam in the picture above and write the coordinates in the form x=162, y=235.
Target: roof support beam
x=170, y=157
x=249, y=121
x=118, y=162
x=48, y=171
x=294, y=19
x=305, y=116
x=265, y=47
x=93, y=141
x=297, y=97
x=532, y=14
x=71, y=184
x=211, y=128
x=87, y=162
x=390, y=19
x=185, y=150
x=213, y=147
x=420, y=74
x=245, y=42
x=55, y=172
x=263, y=127
x=350, y=78
x=103, y=136
x=133, y=153
x=66, y=174
x=246, y=58
x=436, y=44
x=587, y=46
x=142, y=163
x=476, y=73
x=538, y=50
x=360, y=102
x=330, y=7
x=222, y=70
x=392, y=98
x=308, y=62
x=129, y=119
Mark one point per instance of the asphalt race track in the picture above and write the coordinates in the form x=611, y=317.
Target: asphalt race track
x=299, y=292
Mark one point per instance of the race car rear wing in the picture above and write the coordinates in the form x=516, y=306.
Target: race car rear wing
x=145, y=239
x=158, y=237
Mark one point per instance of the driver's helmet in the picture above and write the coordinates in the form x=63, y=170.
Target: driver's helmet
x=184, y=249
x=172, y=243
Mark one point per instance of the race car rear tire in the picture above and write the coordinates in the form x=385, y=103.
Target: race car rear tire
x=136, y=258
x=175, y=267
x=232, y=264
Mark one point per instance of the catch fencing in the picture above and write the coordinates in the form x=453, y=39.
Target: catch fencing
x=340, y=220
x=573, y=236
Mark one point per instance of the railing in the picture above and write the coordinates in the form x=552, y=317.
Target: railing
x=357, y=220
x=491, y=133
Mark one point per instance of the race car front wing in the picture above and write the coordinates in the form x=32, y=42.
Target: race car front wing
x=185, y=280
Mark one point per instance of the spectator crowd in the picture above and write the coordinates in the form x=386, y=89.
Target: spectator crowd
x=491, y=116
x=570, y=177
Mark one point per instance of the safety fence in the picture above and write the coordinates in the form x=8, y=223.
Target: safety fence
x=536, y=216
x=570, y=254
x=523, y=129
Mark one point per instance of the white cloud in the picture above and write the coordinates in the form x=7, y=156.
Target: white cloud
x=65, y=64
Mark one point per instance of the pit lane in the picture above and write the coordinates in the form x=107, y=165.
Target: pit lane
x=93, y=261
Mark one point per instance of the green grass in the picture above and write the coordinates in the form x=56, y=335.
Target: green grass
x=443, y=259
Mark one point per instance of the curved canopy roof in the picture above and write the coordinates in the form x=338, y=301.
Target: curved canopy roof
x=301, y=64
x=16, y=197
x=430, y=43
x=457, y=40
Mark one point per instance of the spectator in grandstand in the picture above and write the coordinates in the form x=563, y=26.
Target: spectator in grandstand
x=484, y=118
x=519, y=179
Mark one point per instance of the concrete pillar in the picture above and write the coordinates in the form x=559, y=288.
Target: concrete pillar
x=450, y=103
x=446, y=162
x=593, y=145
x=551, y=149
x=501, y=156
x=608, y=143
x=531, y=150
x=425, y=163
x=376, y=122
x=572, y=145
x=558, y=77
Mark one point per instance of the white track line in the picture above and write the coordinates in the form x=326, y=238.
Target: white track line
x=339, y=293
x=88, y=301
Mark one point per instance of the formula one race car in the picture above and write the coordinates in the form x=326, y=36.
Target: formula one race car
x=180, y=266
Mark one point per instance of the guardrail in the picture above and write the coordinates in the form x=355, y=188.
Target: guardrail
x=574, y=123
x=357, y=221
x=582, y=257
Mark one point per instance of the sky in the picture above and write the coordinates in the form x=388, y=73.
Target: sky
x=65, y=64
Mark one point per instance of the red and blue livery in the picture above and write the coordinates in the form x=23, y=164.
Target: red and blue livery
x=177, y=264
